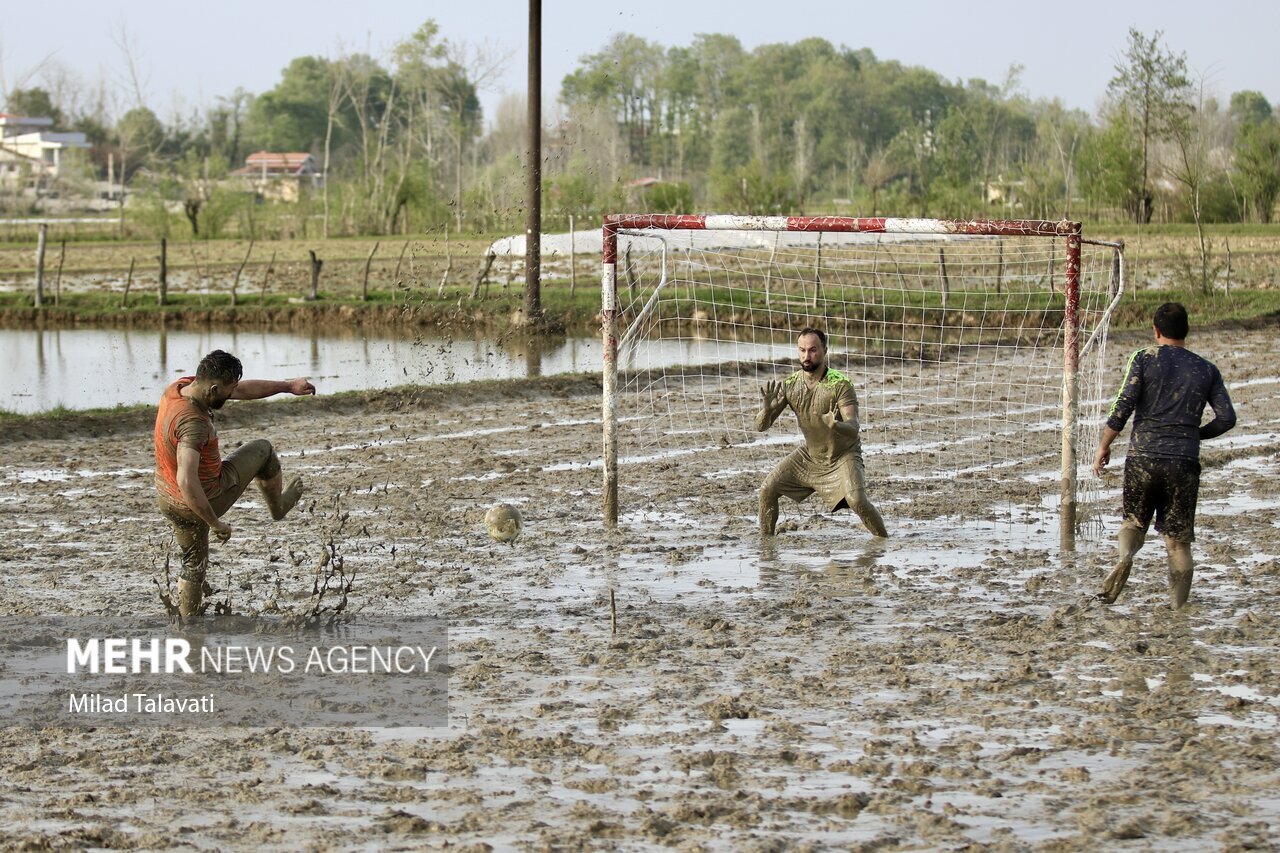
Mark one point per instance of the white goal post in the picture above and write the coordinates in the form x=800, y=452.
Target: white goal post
x=963, y=338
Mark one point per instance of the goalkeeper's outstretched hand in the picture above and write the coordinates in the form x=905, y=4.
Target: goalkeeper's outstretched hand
x=774, y=394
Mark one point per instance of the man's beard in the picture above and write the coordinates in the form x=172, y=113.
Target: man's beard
x=810, y=366
x=218, y=405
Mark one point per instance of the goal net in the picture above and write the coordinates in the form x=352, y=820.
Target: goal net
x=975, y=349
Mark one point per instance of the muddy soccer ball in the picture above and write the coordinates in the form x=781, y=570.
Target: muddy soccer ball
x=503, y=522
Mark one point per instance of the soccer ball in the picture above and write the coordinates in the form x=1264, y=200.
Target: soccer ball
x=503, y=522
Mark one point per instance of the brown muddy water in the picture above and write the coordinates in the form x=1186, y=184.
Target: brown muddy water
x=952, y=687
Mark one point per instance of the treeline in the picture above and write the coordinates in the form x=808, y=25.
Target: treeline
x=807, y=127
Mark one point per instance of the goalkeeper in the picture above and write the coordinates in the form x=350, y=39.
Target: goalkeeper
x=830, y=462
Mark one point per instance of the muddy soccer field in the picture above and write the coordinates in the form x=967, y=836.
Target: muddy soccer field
x=953, y=686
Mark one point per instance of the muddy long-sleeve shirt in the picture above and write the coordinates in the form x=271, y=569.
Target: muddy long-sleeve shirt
x=1165, y=389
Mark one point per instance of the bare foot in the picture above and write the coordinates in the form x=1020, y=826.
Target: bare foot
x=288, y=499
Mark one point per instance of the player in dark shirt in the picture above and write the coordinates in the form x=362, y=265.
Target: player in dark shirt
x=1165, y=388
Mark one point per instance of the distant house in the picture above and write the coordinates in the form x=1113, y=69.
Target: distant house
x=281, y=176
x=30, y=151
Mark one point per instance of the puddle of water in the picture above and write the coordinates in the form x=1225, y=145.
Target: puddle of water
x=1238, y=505
x=48, y=368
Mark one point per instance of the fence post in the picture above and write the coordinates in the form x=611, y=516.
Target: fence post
x=128, y=282
x=316, y=265
x=573, y=269
x=44, y=233
x=364, y=287
x=57, y=278
x=164, y=271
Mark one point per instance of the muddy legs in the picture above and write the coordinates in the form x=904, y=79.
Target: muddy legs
x=279, y=499
x=190, y=598
x=870, y=516
x=1180, y=572
x=768, y=510
x=1181, y=568
x=1131, y=539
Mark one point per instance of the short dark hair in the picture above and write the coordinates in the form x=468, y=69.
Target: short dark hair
x=220, y=366
x=818, y=333
x=1171, y=321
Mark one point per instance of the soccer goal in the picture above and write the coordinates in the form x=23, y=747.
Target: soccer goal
x=976, y=350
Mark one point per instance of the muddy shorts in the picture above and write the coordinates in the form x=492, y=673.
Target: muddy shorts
x=1165, y=488
x=839, y=483
x=250, y=460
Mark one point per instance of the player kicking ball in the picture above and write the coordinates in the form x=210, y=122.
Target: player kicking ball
x=195, y=485
x=830, y=462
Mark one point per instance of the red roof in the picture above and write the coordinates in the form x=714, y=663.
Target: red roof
x=291, y=158
x=276, y=163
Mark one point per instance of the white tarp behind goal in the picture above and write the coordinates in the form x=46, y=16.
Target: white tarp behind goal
x=589, y=242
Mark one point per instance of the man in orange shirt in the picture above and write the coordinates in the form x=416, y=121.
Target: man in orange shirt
x=195, y=485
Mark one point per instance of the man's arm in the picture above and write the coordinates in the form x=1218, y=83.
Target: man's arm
x=1224, y=414
x=1103, y=457
x=774, y=400
x=256, y=389
x=193, y=493
x=1126, y=401
x=1129, y=394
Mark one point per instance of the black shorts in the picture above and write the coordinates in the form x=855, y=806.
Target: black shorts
x=1166, y=488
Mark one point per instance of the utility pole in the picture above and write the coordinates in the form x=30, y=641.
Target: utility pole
x=533, y=190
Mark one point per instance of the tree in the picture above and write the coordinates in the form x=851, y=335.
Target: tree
x=34, y=102
x=1152, y=84
x=371, y=96
x=1250, y=108
x=876, y=175
x=754, y=190
x=140, y=133
x=226, y=125
x=439, y=82
x=460, y=106
x=1111, y=163
x=293, y=116
x=1059, y=135
x=1193, y=138
x=621, y=79
x=1257, y=167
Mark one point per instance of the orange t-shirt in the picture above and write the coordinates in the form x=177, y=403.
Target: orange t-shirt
x=179, y=421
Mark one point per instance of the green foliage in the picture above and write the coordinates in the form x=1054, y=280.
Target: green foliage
x=149, y=211
x=1250, y=108
x=666, y=197
x=1111, y=164
x=1257, y=167
x=754, y=190
x=573, y=192
x=1219, y=202
x=34, y=102
x=141, y=134
x=293, y=115
x=220, y=209
x=1153, y=89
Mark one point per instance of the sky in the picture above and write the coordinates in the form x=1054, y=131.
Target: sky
x=188, y=59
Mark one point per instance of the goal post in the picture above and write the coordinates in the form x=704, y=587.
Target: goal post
x=944, y=323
